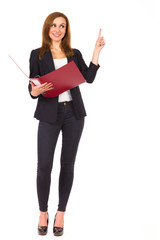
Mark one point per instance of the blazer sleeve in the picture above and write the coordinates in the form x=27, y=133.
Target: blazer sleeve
x=88, y=73
x=34, y=68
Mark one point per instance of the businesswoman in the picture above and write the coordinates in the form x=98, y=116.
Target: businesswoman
x=64, y=113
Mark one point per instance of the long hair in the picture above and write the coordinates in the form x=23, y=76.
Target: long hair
x=46, y=41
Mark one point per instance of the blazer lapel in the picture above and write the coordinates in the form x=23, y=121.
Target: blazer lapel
x=48, y=60
x=70, y=59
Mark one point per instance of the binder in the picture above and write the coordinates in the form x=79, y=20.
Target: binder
x=63, y=79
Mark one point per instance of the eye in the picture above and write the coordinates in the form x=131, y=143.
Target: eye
x=62, y=26
x=53, y=25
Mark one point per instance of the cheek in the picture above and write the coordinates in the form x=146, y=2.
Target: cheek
x=63, y=31
x=49, y=33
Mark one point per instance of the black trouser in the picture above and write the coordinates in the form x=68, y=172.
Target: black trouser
x=47, y=138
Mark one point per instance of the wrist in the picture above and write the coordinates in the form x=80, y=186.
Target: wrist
x=96, y=50
x=95, y=57
x=34, y=94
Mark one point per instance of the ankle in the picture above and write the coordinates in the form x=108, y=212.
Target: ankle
x=43, y=213
x=60, y=214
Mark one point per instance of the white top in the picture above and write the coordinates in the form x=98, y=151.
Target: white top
x=65, y=96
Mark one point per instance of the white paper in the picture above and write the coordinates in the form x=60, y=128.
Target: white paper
x=35, y=81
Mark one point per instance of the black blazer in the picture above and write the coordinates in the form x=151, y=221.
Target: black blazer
x=46, y=109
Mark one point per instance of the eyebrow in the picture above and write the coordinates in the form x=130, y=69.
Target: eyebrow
x=60, y=24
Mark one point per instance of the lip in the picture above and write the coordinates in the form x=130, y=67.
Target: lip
x=56, y=35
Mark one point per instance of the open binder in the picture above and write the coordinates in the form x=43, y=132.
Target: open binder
x=63, y=79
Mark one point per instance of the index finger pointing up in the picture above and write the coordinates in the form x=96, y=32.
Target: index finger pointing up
x=99, y=35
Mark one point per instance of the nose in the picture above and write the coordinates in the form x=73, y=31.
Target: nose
x=57, y=29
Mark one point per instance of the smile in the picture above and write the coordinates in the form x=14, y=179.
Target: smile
x=56, y=35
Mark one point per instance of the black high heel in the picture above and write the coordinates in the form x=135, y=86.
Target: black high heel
x=58, y=231
x=42, y=230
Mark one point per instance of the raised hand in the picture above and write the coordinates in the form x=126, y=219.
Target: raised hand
x=100, y=41
x=98, y=47
x=37, y=90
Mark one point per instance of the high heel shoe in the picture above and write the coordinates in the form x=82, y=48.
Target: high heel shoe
x=42, y=230
x=58, y=231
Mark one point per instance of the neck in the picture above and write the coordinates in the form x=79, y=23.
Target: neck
x=56, y=46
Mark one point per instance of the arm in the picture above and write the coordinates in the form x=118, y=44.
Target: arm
x=35, y=91
x=89, y=73
x=34, y=70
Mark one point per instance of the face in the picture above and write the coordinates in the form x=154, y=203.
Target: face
x=58, y=29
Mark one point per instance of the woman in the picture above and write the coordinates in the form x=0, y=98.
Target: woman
x=63, y=113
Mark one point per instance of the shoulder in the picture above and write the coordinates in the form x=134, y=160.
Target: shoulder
x=35, y=53
x=77, y=53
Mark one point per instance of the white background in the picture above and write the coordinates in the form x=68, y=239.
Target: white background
x=116, y=190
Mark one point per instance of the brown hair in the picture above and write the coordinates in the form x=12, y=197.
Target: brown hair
x=46, y=41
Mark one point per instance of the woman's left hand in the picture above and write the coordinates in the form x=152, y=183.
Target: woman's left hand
x=98, y=47
x=100, y=43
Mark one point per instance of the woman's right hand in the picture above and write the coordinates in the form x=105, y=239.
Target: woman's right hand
x=37, y=90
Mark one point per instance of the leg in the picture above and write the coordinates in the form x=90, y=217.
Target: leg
x=47, y=139
x=71, y=133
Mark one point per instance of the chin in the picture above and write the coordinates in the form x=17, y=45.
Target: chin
x=56, y=40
